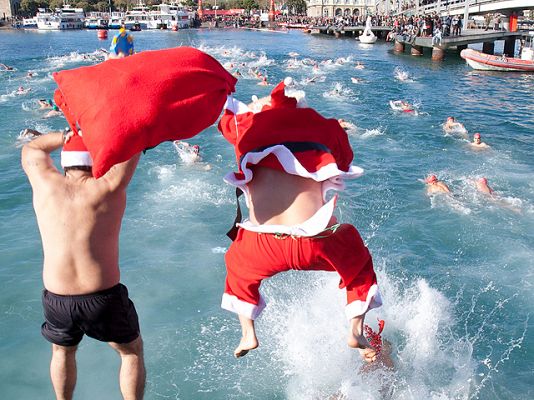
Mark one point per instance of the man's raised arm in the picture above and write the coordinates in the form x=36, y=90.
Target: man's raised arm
x=36, y=160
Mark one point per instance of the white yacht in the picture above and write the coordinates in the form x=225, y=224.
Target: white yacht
x=63, y=18
x=168, y=16
x=96, y=21
x=116, y=20
x=71, y=18
x=137, y=17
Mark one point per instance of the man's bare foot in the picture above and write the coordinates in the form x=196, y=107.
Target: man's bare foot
x=359, y=342
x=245, y=345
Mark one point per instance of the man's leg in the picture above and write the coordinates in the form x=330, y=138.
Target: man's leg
x=358, y=340
x=132, y=373
x=63, y=370
x=249, y=341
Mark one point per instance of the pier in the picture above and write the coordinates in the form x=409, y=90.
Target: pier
x=469, y=36
x=351, y=31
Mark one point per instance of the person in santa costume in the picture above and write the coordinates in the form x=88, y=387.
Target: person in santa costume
x=289, y=157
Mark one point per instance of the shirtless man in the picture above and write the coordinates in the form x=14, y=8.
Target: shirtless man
x=477, y=142
x=292, y=227
x=79, y=219
x=435, y=186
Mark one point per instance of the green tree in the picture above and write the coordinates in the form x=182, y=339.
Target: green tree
x=102, y=6
x=249, y=5
x=296, y=6
x=190, y=3
x=83, y=4
x=53, y=4
x=29, y=7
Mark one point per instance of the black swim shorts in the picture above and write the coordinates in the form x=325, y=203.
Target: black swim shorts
x=108, y=316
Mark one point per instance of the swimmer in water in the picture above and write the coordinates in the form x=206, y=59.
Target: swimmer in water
x=44, y=103
x=54, y=112
x=189, y=154
x=477, y=142
x=30, y=74
x=453, y=126
x=359, y=65
x=346, y=124
x=22, y=90
x=435, y=186
x=483, y=187
x=263, y=81
x=6, y=67
x=402, y=106
x=356, y=80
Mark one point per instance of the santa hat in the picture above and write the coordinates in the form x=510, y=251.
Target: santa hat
x=75, y=154
x=285, y=129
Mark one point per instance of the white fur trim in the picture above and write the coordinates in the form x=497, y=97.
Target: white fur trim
x=288, y=80
x=235, y=106
x=292, y=166
x=76, y=158
x=300, y=95
x=233, y=304
x=358, y=307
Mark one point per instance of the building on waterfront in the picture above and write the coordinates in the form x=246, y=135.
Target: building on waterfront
x=331, y=8
x=8, y=8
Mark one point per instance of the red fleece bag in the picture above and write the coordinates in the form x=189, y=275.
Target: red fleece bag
x=124, y=106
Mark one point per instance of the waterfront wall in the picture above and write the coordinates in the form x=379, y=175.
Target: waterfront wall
x=7, y=8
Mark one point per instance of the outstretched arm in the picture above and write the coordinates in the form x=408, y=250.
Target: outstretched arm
x=36, y=160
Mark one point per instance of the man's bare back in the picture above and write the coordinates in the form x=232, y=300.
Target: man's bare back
x=79, y=219
x=279, y=198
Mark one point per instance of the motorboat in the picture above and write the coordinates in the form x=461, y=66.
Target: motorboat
x=368, y=36
x=137, y=17
x=168, y=16
x=487, y=62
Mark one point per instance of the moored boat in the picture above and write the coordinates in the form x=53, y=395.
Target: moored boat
x=487, y=62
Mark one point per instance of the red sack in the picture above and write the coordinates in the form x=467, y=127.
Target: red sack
x=124, y=106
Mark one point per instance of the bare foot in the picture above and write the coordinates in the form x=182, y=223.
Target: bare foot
x=245, y=345
x=360, y=342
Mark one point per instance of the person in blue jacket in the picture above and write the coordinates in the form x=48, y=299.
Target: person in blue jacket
x=122, y=44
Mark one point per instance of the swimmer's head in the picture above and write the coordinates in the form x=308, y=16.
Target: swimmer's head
x=196, y=148
x=431, y=179
x=55, y=108
x=451, y=119
x=476, y=136
x=483, y=181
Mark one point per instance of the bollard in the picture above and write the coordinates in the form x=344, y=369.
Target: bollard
x=438, y=54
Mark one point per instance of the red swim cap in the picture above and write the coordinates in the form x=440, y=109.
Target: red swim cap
x=476, y=136
x=483, y=180
x=431, y=179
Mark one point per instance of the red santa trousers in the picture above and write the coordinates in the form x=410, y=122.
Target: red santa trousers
x=253, y=257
